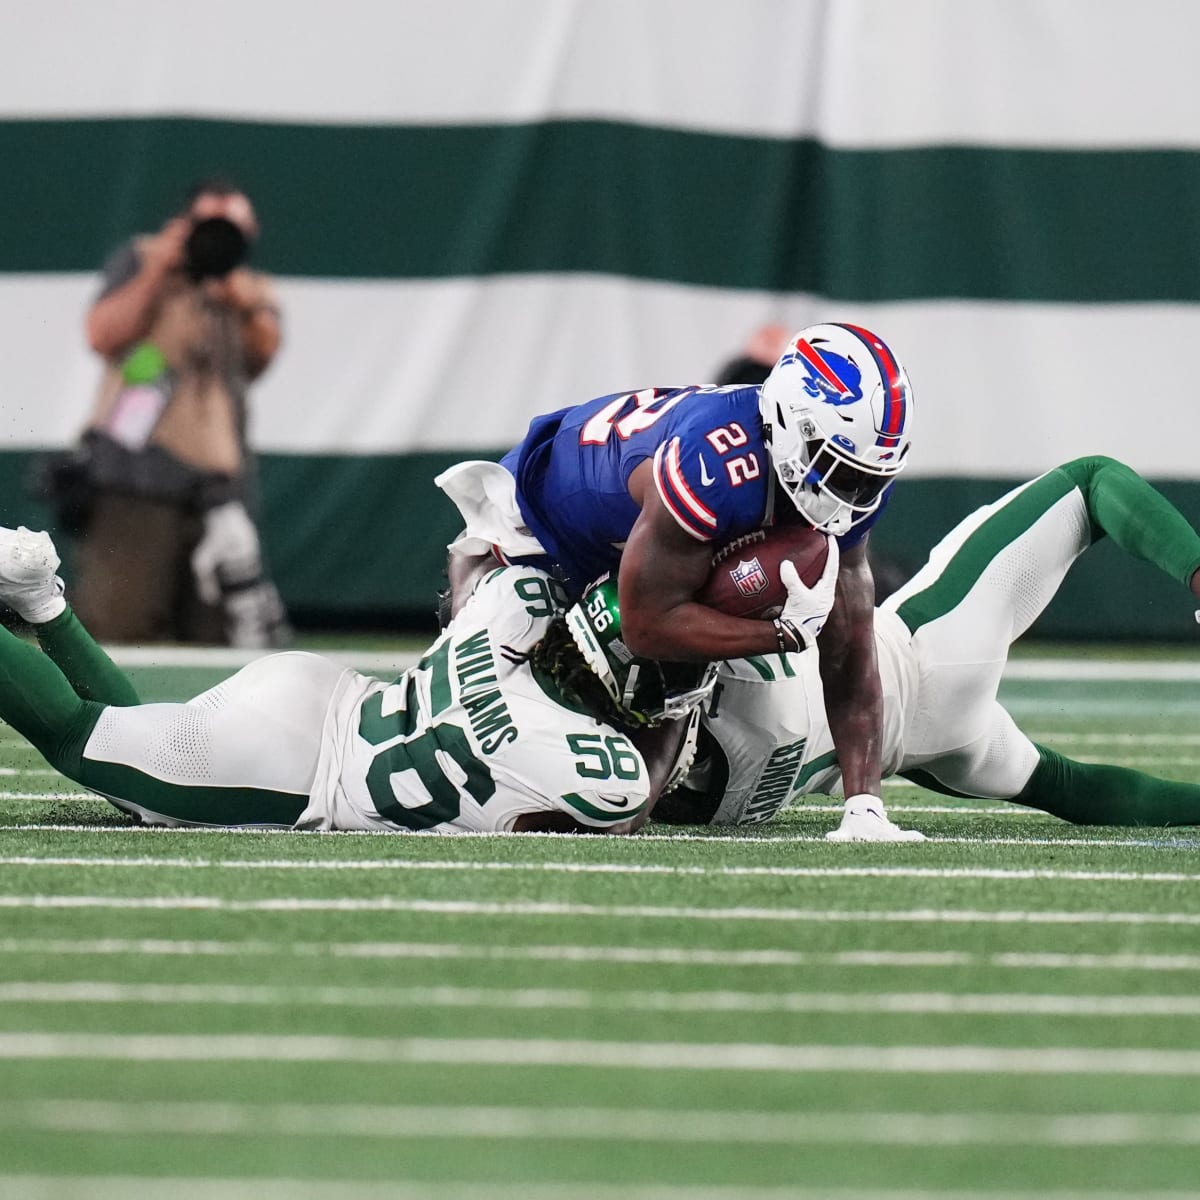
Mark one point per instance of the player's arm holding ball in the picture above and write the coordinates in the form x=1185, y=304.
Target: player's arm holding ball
x=663, y=572
x=807, y=608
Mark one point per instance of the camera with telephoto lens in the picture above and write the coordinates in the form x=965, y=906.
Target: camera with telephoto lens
x=214, y=247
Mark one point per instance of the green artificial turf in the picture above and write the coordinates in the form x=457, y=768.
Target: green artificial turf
x=1011, y=1008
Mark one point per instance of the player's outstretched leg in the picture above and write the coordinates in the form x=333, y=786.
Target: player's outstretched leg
x=997, y=569
x=30, y=586
x=38, y=701
x=1098, y=794
x=982, y=588
x=1141, y=520
x=1144, y=523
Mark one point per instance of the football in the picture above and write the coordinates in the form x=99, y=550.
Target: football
x=745, y=576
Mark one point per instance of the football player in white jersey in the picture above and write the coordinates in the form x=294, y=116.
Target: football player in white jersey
x=942, y=641
x=502, y=726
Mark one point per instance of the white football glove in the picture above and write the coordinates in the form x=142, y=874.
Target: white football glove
x=866, y=821
x=228, y=549
x=804, y=614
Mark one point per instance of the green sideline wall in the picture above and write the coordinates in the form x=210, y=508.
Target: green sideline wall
x=478, y=212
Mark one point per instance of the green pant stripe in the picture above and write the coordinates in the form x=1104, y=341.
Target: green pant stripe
x=821, y=763
x=972, y=558
x=187, y=802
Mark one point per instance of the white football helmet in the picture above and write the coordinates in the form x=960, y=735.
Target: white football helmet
x=643, y=691
x=837, y=416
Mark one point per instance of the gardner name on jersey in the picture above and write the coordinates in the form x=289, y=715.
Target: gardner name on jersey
x=765, y=738
x=473, y=736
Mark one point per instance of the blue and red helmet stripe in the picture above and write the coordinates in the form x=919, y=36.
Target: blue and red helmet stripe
x=895, y=401
x=817, y=362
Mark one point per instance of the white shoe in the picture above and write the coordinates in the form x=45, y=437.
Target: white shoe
x=865, y=821
x=28, y=583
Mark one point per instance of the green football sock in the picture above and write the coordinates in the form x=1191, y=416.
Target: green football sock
x=38, y=701
x=92, y=674
x=1142, y=521
x=1097, y=794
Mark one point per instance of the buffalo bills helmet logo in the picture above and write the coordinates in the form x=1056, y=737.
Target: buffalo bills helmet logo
x=831, y=377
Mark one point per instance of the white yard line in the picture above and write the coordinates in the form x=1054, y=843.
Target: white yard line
x=521, y=999
x=1000, y=808
x=682, y=956
x=1142, y=761
x=294, y=904
x=545, y=1052
x=563, y=1123
x=395, y=661
x=1114, y=739
x=91, y=797
x=1022, y=874
x=386, y=662
x=147, y=1187
x=1179, y=670
x=1166, y=839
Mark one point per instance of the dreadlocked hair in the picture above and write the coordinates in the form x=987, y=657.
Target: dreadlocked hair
x=557, y=656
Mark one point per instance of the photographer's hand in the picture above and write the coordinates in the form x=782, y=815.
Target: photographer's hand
x=240, y=289
x=120, y=317
x=165, y=251
x=252, y=297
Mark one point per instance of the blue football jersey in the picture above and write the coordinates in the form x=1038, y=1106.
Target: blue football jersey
x=711, y=467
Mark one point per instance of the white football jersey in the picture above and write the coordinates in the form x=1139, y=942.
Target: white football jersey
x=472, y=737
x=767, y=716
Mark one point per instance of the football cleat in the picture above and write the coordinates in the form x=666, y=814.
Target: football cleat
x=865, y=821
x=28, y=583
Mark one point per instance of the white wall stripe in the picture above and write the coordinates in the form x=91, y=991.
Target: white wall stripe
x=306, y=904
x=877, y=74
x=531, y=1053
x=672, y=956
x=739, y=1126
x=400, y=374
x=613, y=868
x=589, y=999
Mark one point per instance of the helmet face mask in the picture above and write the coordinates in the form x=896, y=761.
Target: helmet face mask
x=644, y=691
x=837, y=416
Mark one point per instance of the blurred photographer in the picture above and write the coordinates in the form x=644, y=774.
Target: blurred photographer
x=160, y=486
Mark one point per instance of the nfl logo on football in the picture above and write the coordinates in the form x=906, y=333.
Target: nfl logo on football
x=749, y=577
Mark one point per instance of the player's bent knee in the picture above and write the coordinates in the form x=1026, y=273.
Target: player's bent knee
x=1083, y=472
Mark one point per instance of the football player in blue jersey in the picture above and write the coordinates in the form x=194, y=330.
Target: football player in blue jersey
x=648, y=484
